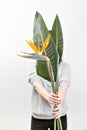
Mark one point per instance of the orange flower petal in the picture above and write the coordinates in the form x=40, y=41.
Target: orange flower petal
x=45, y=44
x=31, y=44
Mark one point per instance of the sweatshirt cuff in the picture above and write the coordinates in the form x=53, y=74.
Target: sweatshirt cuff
x=34, y=79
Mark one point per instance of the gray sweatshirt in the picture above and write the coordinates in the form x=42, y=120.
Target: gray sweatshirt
x=41, y=109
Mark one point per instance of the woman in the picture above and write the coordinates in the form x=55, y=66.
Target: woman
x=43, y=99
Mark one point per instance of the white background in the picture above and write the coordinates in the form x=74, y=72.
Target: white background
x=16, y=25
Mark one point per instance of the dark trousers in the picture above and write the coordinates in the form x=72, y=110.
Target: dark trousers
x=41, y=124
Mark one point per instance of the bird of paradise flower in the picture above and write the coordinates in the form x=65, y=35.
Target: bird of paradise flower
x=37, y=50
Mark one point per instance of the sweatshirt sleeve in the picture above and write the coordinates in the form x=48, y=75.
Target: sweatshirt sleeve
x=33, y=78
x=65, y=77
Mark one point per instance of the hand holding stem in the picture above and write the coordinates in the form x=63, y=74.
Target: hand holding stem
x=56, y=101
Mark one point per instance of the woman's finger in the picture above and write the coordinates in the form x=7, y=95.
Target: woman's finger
x=56, y=112
x=53, y=98
x=53, y=101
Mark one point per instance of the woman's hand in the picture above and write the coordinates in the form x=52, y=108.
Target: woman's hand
x=53, y=99
x=56, y=111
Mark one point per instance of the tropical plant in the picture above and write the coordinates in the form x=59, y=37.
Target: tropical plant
x=48, y=48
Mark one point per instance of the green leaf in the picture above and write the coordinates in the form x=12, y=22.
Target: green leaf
x=41, y=30
x=57, y=36
x=43, y=71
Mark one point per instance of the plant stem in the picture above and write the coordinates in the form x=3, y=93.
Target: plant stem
x=60, y=124
x=55, y=124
